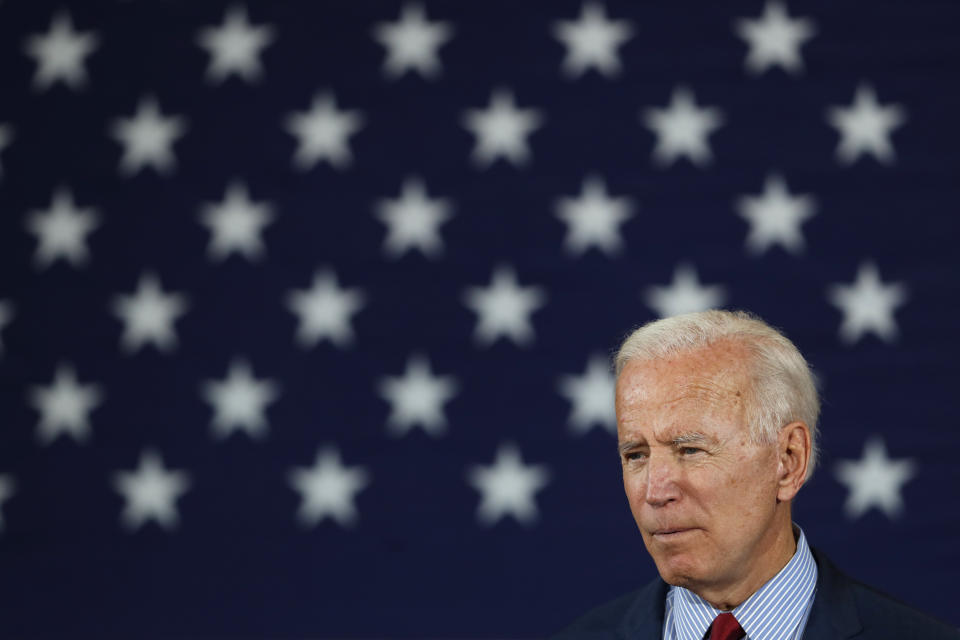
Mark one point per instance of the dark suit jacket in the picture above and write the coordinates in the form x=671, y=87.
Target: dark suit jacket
x=842, y=608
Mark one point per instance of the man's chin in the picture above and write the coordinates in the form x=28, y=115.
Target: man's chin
x=679, y=570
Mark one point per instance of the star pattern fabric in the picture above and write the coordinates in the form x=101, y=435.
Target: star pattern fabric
x=331, y=262
x=875, y=481
x=328, y=489
x=60, y=54
x=508, y=487
x=594, y=219
x=504, y=308
x=62, y=231
x=150, y=493
x=501, y=130
x=866, y=126
x=774, y=39
x=417, y=397
x=148, y=315
x=412, y=43
x=148, y=139
x=591, y=41
x=591, y=397
x=240, y=401
x=323, y=133
x=236, y=224
x=325, y=310
x=684, y=295
x=235, y=47
x=868, y=305
x=65, y=406
x=682, y=129
x=413, y=220
x=775, y=217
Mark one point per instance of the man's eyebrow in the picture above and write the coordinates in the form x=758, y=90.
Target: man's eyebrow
x=623, y=447
x=694, y=437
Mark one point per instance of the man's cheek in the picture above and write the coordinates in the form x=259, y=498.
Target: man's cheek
x=631, y=484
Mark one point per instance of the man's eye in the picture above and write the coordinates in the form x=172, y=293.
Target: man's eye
x=689, y=451
x=634, y=455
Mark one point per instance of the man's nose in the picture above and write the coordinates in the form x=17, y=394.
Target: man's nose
x=661, y=481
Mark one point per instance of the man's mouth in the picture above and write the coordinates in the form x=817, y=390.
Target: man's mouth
x=669, y=534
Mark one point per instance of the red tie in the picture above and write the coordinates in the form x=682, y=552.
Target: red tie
x=726, y=627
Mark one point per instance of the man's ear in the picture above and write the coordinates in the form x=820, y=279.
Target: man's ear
x=793, y=453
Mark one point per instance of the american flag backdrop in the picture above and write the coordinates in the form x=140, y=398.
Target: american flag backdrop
x=306, y=308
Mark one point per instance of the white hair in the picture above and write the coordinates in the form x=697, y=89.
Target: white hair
x=782, y=388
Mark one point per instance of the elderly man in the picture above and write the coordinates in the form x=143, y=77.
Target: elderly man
x=716, y=418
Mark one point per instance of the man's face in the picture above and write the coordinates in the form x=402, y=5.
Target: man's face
x=703, y=495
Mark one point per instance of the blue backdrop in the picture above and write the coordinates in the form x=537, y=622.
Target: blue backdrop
x=306, y=307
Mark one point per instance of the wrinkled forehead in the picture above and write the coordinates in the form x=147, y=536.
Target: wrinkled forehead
x=698, y=390
x=668, y=402
x=714, y=376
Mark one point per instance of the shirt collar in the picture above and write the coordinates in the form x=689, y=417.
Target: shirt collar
x=773, y=612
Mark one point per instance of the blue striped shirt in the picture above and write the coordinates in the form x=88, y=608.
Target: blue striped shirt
x=777, y=611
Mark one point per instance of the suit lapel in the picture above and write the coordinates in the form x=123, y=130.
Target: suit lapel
x=834, y=613
x=645, y=617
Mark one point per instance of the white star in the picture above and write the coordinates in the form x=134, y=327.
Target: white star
x=866, y=126
x=592, y=41
x=148, y=315
x=324, y=310
x=874, y=481
x=60, y=53
x=328, y=489
x=501, y=130
x=775, y=217
x=6, y=137
x=682, y=129
x=322, y=133
x=7, y=489
x=65, y=406
x=235, y=46
x=148, y=138
x=593, y=219
x=868, y=305
x=774, y=38
x=150, y=492
x=236, y=224
x=240, y=401
x=62, y=231
x=591, y=396
x=412, y=42
x=684, y=295
x=413, y=220
x=417, y=398
x=507, y=487
x=6, y=316
x=504, y=308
